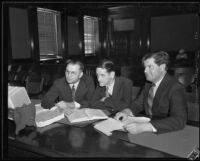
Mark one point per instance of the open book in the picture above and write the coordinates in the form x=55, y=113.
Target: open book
x=46, y=117
x=109, y=125
x=86, y=114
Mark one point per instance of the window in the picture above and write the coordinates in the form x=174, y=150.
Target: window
x=49, y=30
x=91, y=35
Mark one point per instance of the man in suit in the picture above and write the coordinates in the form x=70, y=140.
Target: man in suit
x=75, y=89
x=163, y=100
x=113, y=93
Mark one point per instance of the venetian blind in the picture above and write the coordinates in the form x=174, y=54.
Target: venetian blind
x=91, y=34
x=47, y=28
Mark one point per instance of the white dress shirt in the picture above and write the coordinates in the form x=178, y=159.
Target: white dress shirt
x=110, y=87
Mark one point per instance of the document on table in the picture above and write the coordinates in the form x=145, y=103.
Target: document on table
x=110, y=125
x=86, y=114
x=46, y=117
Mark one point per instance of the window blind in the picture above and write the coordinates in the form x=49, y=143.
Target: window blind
x=91, y=34
x=47, y=29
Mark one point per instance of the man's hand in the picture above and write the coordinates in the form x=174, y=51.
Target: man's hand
x=64, y=105
x=68, y=107
x=103, y=99
x=135, y=128
x=123, y=115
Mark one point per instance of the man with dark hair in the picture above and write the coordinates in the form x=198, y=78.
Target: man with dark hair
x=163, y=100
x=113, y=93
x=75, y=89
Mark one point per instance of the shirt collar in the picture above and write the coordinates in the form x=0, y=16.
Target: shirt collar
x=111, y=85
x=75, y=84
x=158, y=82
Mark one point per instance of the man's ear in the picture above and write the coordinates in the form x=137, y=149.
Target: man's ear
x=81, y=74
x=112, y=74
x=163, y=67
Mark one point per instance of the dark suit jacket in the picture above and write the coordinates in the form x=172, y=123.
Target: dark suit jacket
x=120, y=99
x=62, y=91
x=169, y=107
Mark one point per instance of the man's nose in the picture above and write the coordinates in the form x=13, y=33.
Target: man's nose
x=99, y=79
x=145, y=70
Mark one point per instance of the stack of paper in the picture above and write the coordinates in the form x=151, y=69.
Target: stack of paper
x=17, y=96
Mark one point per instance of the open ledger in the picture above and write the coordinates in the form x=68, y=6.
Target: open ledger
x=86, y=114
x=110, y=125
x=46, y=117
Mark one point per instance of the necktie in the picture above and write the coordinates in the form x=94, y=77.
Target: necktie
x=73, y=92
x=150, y=99
x=106, y=92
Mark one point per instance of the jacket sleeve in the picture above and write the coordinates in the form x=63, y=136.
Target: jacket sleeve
x=113, y=104
x=137, y=105
x=177, y=115
x=124, y=101
x=49, y=99
x=90, y=92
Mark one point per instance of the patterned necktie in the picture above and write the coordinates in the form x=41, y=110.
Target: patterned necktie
x=73, y=92
x=150, y=99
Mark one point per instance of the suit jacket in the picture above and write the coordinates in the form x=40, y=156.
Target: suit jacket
x=120, y=99
x=62, y=91
x=169, y=109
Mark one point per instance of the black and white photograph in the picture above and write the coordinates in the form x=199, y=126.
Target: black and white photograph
x=100, y=80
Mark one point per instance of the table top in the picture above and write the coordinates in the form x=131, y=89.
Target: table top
x=61, y=140
x=71, y=141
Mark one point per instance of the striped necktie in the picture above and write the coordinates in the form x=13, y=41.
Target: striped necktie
x=150, y=99
x=73, y=92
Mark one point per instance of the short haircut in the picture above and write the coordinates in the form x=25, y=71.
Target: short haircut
x=75, y=62
x=107, y=64
x=160, y=57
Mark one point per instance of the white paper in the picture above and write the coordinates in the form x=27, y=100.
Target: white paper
x=17, y=97
x=109, y=125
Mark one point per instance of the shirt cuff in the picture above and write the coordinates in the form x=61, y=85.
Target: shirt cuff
x=77, y=105
x=153, y=128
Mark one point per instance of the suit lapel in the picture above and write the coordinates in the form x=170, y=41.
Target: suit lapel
x=159, y=92
x=67, y=90
x=80, y=89
x=116, y=87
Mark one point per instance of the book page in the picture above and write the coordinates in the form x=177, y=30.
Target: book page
x=78, y=115
x=17, y=97
x=95, y=114
x=109, y=125
x=48, y=116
